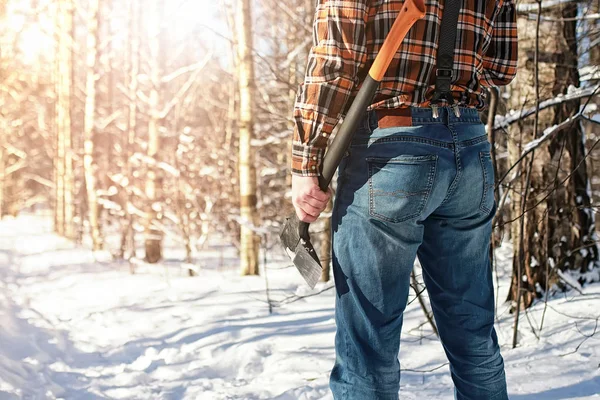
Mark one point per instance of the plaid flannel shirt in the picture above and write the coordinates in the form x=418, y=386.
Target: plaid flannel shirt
x=347, y=35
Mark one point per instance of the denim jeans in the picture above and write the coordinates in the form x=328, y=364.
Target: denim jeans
x=423, y=191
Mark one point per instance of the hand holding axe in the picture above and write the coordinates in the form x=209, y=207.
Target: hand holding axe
x=294, y=235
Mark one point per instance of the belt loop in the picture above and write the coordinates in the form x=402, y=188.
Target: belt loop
x=372, y=120
x=365, y=124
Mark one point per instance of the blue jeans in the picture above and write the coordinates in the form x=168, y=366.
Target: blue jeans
x=423, y=191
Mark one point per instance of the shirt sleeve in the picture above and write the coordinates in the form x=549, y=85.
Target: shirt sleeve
x=500, y=58
x=338, y=53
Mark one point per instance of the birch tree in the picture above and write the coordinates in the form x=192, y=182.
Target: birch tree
x=249, y=242
x=153, y=239
x=64, y=209
x=89, y=120
x=133, y=67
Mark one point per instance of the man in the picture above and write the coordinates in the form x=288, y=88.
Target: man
x=417, y=181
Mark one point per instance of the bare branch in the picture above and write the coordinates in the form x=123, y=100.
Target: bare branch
x=184, y=70
x=548, y=134
x=548, y=4
x=511, y=118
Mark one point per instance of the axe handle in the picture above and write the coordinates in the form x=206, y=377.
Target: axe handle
x=411, y=12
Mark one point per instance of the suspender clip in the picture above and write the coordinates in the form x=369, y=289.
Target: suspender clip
x=456, y=110
x=434, y=111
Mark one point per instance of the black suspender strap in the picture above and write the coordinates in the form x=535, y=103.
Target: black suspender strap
x=445, y=55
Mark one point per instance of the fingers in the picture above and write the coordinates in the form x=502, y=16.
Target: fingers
x=316, y=193
x=302, y=216
x=308, y=208
x=311, y=202
x=308, y=199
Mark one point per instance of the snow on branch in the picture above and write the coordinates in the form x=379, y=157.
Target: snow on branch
x=180, y=94
x=274, y=138
x=22, y=163
x=41, y=180
x=548, y=133
x=573, y=94
x=123, y=182
x=14, y=151
x=592, y=17
x=589, y=72
x=190, y=68
x=569, y=280
x=531, y=7
x=260, y=230
x=151, y=161
x=111, y=206
x=294, y=53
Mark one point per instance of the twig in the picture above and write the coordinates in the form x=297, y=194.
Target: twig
x=584, y=340
x=573, y=316
x=424, y=370
x=294, y=298
x=531, y=325
x=553, y=190
x=427, y=313
x=416, y=297
x=265, y=274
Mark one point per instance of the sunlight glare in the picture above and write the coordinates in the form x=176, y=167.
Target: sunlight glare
x=32, y=43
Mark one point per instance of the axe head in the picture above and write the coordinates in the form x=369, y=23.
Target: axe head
x=296, y=241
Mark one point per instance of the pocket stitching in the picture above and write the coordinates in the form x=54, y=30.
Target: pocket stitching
x=486, y=180
x=432, y=159
x=370, y=141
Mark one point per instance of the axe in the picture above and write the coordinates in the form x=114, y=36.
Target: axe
x=294, y=235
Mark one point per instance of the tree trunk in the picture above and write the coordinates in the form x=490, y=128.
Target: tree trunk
x=64, y=210
x=232, y=113
x=128, y=234
x=559, y=219
x=153, y=240
x=249, y=242
x=69, y=79
x=3, y=157
x=89, y=120
x=59, y=156
x=585, y=260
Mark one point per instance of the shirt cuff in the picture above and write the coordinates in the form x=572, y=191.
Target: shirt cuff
x=306, y=159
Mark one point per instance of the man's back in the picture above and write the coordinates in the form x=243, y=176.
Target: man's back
x=347, y=37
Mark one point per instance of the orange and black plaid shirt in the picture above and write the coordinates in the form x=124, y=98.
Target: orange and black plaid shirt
x=347, y=35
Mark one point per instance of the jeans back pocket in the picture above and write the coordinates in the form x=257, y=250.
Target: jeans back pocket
x=487, y=169
x=399, y=187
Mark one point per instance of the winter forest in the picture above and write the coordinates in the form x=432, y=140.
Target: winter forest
x=145, y=176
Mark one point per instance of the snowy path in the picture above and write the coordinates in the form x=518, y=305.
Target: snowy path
x=77, y=328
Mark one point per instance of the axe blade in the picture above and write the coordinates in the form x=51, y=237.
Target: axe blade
x=301, y=251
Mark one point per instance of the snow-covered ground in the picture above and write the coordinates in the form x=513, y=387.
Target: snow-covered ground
x=75, y=325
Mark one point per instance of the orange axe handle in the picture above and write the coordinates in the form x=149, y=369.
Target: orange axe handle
x=412, y=11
